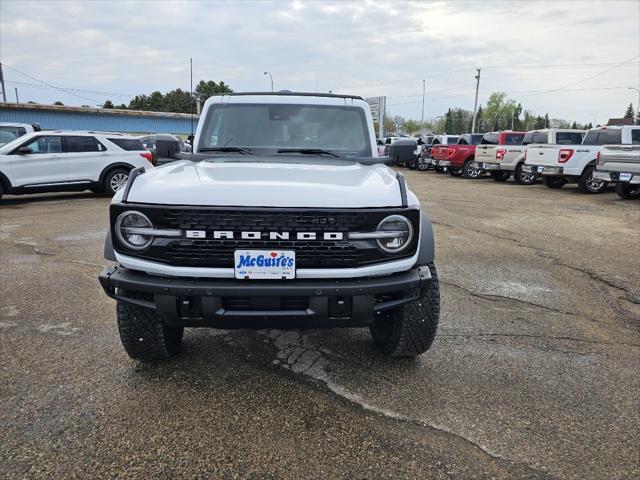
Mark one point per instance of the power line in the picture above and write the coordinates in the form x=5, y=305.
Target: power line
x=445, y=72
x=46, y=87
x=50, y=85
x=588, y=78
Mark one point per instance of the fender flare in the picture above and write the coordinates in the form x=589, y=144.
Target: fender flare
x=111, y=166
x=426, y=249
x=5, y=181
x=109, y=253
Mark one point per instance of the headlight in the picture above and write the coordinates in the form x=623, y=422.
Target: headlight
x=394, y=234
x=131, y=227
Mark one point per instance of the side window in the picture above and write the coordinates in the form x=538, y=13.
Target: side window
x=44, y=145
x=462, y=141
x=635, y=136
x=82, y=144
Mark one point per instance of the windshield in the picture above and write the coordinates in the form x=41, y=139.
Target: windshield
x=8, y=134
x=267, y=128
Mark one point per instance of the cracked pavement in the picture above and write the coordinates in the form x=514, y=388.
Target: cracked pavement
x=533, y=373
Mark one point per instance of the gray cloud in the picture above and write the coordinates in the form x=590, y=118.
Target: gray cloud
x=368, y=48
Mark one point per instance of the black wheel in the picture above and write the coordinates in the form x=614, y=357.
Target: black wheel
x=1, y=191
x=469, y=171
x=554, y=182
x=439, y=169
x=588, y=184
x=409, y=330
x=115, y=180
x=144, y=335
x=624, y=190
x=523, y=178
x=455, y=172
x=501, y=176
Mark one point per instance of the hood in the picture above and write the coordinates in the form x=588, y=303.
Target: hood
x=304, y=183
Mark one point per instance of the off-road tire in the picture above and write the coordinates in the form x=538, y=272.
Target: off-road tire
x=409, y=330
x=112, y=178
x=523, y=178
x=587, y=184
x=502, y=176
x=1, y=191
x=455, y=171
x=554, y=182
x=470, y=172
x=144, y=335
x=624, y=190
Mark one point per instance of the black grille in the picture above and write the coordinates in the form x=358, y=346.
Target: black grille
x=210, y=252
x=253, y=304
x=263, y=221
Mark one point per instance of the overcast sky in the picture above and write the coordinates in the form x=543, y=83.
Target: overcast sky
x=564, y=57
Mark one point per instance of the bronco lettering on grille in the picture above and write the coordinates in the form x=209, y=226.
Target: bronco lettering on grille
x=229, y=235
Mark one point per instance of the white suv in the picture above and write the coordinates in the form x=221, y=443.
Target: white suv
x=65, y=161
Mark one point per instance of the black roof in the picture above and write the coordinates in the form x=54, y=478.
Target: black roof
x=287, y=93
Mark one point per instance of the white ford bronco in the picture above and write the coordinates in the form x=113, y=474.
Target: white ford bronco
x=283, y=216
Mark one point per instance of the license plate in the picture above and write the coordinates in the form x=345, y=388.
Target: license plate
x=483, y=165
x=540, y=169
x=265, y=264
x=624, y=177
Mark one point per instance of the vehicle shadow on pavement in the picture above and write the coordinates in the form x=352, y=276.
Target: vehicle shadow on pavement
x=10, y=200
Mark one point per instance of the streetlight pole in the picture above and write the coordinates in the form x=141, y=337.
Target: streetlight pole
x=423, y=87
x=268, y=73
x=637, y=104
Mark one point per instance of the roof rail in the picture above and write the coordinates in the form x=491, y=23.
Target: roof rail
x=287, y=93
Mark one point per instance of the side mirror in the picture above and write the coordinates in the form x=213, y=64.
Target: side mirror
x=25, y=150
x=167, y=149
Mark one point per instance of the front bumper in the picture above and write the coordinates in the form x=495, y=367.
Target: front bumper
x=543, y=169
x=300, y=303
x=615, y=177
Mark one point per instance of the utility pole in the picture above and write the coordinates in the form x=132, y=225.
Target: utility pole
x=4, y=90
x=17, y=99
x=423, y=86
x=271, y=78
x=475, y=104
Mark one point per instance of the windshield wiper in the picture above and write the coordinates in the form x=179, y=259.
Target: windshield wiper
x=242, y=150
x=308, y=151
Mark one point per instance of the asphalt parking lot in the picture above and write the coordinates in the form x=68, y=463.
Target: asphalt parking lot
x=533, y=374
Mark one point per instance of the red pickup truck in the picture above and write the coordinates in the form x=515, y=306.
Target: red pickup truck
x=458, y=158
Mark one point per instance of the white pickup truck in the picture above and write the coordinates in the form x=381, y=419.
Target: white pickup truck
x=495, y=149
x=562, y=164
x=511, y=159
x=621, y=164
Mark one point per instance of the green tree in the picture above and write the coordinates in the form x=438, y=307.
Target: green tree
x=479, y=121
x=412, y=126
x=448, y=122
x=638, y=117
x=629, y=113
x=55, y=103
x=122, y=106
x=494, y=110
x=205, y=89
x=574, y=125
x=108, y=104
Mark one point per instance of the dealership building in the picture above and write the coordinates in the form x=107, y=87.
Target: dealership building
x=62, y=117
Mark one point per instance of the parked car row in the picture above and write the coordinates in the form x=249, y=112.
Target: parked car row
x=33, y=160
x=57, y=160
x=593, y=159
